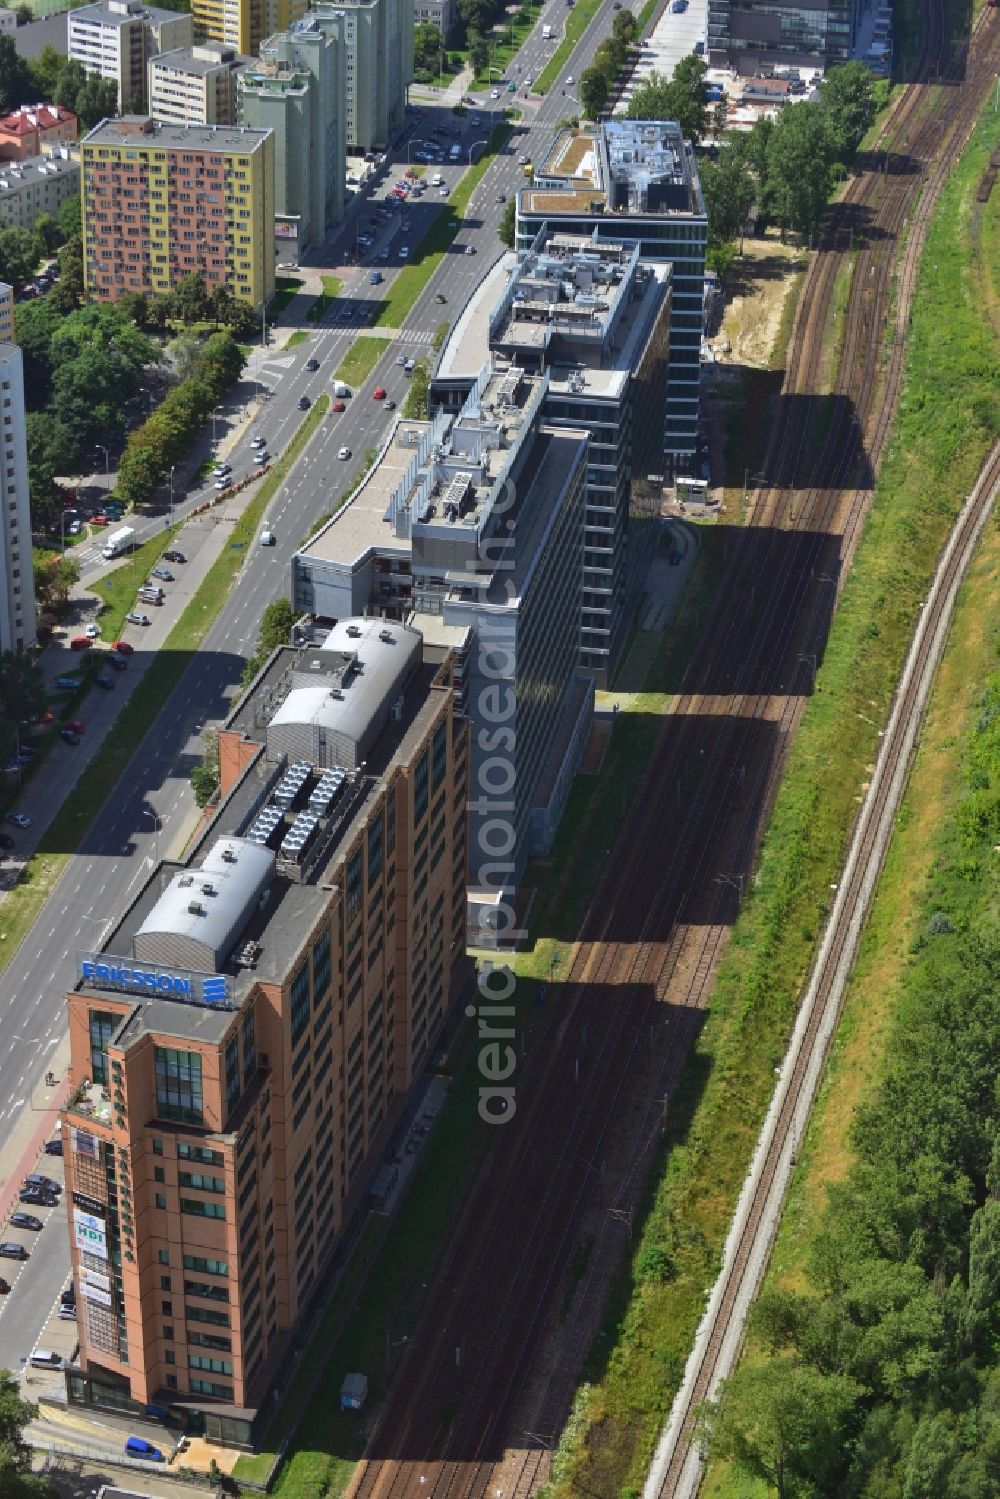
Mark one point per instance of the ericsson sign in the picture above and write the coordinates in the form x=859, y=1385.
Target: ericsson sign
x=101, y=971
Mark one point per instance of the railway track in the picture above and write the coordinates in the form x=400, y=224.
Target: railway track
x=641, y=972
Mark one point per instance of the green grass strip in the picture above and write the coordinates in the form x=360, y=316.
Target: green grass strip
x=102, y=776
x=360, y=359
x=300, y=336
x=319, y=309
x=577, y=22
x=412, y=280
x=935, y=452
x=117, y=589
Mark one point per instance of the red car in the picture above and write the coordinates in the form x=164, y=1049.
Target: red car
x=46, y=718
x=123, y=648
x=80, y=643
x=98, y=520
x=337, y=406
x=378, y=394
x=77, y=726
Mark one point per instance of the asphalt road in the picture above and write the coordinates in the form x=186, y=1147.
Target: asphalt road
x=116, y=853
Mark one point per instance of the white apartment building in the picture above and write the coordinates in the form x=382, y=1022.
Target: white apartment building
x=17, y=588
x=36, y=186
x=8, y=21
x=116, y=38
x=194, y=85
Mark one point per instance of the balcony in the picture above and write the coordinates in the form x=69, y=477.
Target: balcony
x=91, y=1101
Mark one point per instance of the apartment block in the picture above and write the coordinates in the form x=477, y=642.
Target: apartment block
x=298, y=92
x=440, y=13
x=37, y=185
x=595, y=317
x=378, y=39
x=745, y=33
x=194, y=85
x=244, y=1042
x=17, y=588
x=6, y=314
x=470, y=526
x=244, y=24
x=163, y=201
x=116, y=39
x=34, y=128
x=636, y=180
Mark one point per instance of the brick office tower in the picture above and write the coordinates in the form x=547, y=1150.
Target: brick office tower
x=243, y=1043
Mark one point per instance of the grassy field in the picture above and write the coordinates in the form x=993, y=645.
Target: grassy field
x=934, y=455
x=413, y=279
x=117, y=589
x=360, y=359
x=300, y=336
x=99, y=779
x=319, y=309
x=577, y=21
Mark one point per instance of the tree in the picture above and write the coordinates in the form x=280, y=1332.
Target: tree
x=625, y=28
x=682, y=98
x=206, y=776
x=18, y=251
x=22, y=699
x=609, y=59
x=16, y=83
x=847, y=99
x=69, y=217
x=506, y=227
x=52, y=452
x=782, y=1422
x=729, y=191
x=47, y=234
x=45, y=70
x=68, y=290
x=191, y=299
x=54, y=577
x=96, y=100
x=479, y=53
x=593, y=91
x=800, y=159
x=25, y=15
x=428, y=44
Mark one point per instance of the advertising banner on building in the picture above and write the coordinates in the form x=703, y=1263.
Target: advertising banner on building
x=95, y=1294
x=89, y=1234
x=94, y=1278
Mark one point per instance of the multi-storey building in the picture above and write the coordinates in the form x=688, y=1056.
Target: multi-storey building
x=244, y=24
x=244, y=1041
x=298, y=91
x=6, y=314
x=17, y=587
x=163, y=201
x=194, y=85
x=378, y=39
x=33, y=128
x=636, y=180
x=596, y=318
x=746, y=33
x=440, y=13
x=471, y=528
x=116, y=38
x=40, y=184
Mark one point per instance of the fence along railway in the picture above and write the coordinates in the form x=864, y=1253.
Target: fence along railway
x=652, y=935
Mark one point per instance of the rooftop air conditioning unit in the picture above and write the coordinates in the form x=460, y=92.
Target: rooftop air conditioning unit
x=208, y=889
x=354, y=631
x=185, y=880
x=229, y=855
x=385, y=635
x=195, y=908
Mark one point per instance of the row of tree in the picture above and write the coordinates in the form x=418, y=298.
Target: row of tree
x=190, y=302
x=167, y=435
x=597, y=83
x=57, y=80
x=882, y=1378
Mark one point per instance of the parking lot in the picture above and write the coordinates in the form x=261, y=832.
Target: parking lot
x=29, y=1310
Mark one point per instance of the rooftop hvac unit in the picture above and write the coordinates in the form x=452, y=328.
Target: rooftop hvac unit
x=336, y=692
x=185, y=880
x=195, y=908
x=229, y=855
x=208, y=889
x=354, y=631
x=386, y=635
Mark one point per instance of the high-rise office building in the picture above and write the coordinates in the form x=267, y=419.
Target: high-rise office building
x=636, y=180
x=244, y=1041
x=470, y=527
x=596, y=318
x=378, y=37
x=194, y=85
x=244, y=24
x=298, y=91
x=116, y=39
x=17, y=587
x=745, y=33
x=163, y=201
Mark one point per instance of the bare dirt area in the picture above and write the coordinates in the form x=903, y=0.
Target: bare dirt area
x=762, y=278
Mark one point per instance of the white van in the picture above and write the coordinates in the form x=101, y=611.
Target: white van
x=437, y=180
x=455, y=152
x=267, y=538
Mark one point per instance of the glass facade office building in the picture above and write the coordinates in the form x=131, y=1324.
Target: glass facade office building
x=746, y=33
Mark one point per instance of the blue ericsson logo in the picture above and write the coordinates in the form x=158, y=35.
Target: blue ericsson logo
x=209, y=989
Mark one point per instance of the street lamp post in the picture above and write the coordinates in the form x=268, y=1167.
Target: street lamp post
x=155, y=817
x=172, y=466
x=107, y=460
x=473, y=147
x=409, y=147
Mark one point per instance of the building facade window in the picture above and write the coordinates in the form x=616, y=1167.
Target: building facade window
x=178, y=1085
x=102, y=1028
x=300, y=1002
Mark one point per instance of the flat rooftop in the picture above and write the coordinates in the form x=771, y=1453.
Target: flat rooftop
x=197, y=62
x=270, y=940
x=623, y=166
x=102, y=15
x=363, y=522
x=140, y=130
x=34, y=170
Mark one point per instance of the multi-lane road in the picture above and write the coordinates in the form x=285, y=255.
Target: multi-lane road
x=152, y=801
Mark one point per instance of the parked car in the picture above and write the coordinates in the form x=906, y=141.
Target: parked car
x=69, y=736
x=105, y=681
x=139, y=1447
x=19, y=819
x=92, y=631
x=4, y=1286
x=26, y=1220
x=78, y=728
x=67, y=684
x=36, y=1179
x=162, y=573
x=32, y=1197
x=67, y=1314
x=67, y=1296
x=80, y=643
x=54, y=1147
x=123, y=648
x=12, y=1251
x=174, y=556
x=135, y=618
